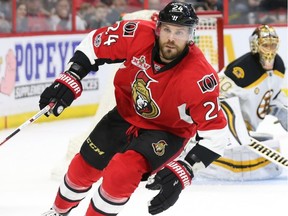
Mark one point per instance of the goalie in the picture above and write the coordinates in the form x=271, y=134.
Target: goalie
x=255, y=79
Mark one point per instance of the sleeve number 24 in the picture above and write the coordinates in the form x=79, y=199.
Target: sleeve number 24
x=112, y=38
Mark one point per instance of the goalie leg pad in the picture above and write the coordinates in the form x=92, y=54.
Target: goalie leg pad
x=241, y=164
x=261, y=136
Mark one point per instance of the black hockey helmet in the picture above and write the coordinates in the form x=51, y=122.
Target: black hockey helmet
x=179, y=13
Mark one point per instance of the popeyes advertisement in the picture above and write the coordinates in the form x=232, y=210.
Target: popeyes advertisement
x=29, y=64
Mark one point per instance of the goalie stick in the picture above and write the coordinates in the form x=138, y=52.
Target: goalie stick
x=268, y=153
x=239, y=133
x=29, y=121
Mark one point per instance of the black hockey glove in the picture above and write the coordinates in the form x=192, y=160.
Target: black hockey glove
x=62, y=92
x=171, y=180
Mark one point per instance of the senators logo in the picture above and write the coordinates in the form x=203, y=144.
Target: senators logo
x=159, y=147
x=207, y=83
x=143, y=102
x=129, y=29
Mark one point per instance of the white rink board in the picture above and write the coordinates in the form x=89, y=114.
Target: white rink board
x=38, y=61
x=26, y=187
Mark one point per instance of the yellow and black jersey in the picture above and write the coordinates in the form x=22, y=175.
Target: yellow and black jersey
x=247, y=69
x=255, y=87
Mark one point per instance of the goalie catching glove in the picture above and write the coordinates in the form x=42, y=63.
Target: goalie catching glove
x=171, y=180
x=65, y=89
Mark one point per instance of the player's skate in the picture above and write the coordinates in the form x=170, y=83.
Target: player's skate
x=52, y=212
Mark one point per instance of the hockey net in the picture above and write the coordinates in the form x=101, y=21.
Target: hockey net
x=208, y=37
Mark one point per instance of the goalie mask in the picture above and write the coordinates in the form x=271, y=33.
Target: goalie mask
x=265, y=42
x=179, y=13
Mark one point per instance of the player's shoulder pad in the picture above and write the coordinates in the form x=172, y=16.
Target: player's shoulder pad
x=279, y=64
x=197, y=68
x=133, y=25
x=245, y=70
x=137, y=30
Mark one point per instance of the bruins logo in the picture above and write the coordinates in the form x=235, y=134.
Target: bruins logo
x=159, y=147
x=238, y=72
x=263, y=107
x=143, y=102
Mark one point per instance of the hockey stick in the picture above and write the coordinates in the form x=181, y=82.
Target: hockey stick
x=268, y=153
x=31, y=120
x=231, y=108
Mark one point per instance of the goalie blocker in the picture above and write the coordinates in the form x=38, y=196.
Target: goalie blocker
x=253, y=156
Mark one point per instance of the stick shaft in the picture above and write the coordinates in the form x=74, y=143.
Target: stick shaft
x=29, y=121
x=268, y=153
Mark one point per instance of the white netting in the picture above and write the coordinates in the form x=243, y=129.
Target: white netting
x=208, y=38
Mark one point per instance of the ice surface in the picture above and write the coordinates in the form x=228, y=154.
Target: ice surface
x=26, y=187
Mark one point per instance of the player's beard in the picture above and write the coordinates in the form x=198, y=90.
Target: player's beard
x=169, y=51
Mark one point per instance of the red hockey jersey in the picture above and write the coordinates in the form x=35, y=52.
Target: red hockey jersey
x=180, y=97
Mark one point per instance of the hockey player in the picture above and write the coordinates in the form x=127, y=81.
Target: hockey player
x=166, y=92
x=255, y=79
